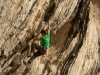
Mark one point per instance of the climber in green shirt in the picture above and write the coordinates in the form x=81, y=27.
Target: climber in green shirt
x=45, y=44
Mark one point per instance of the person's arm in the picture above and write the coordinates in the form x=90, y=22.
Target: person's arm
x=48, y=28
x=36, y=39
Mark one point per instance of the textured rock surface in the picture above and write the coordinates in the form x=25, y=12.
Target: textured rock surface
x=75, y=30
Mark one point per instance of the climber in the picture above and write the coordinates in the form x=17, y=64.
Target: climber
x=43, y=48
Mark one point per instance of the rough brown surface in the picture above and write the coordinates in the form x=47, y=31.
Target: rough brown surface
x=75, y=30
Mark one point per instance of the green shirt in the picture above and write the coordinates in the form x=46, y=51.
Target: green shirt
x=45, y=40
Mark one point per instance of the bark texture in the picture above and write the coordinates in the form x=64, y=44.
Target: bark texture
x=75, y=36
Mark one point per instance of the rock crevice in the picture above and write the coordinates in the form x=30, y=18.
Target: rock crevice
x=74, y=46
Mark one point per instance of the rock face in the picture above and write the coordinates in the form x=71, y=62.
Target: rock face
x=75, y=36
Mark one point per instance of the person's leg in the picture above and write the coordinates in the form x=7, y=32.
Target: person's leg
x=29, y=49
x=38, y=53
x=34, y=56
